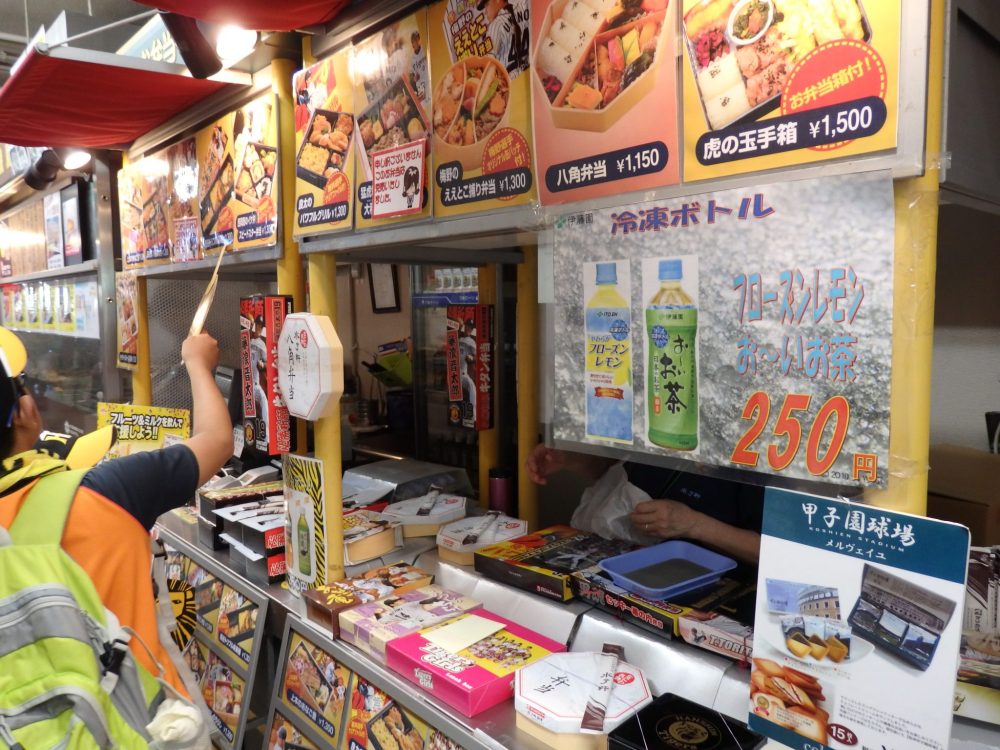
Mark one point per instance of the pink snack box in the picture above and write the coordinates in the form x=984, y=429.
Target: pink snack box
x=478, y=677
x=371, y=626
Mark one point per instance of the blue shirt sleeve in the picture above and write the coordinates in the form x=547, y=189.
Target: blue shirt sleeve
x=148, y=484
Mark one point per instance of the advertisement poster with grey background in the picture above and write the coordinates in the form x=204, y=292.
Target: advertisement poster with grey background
x=747, y=328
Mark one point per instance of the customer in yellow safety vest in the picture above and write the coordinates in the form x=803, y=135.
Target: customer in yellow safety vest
x=117, y=503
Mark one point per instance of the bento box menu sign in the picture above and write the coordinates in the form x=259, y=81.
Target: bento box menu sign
x=481, y=108
x=746, y=328
x=603, y=78
x=324, y=139
x=778, y=84
x=858, y=625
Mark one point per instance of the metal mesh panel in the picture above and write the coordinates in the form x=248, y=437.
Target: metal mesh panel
x=171, y=304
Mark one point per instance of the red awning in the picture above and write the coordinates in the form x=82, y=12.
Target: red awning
x=74, y=97
x=262, y=15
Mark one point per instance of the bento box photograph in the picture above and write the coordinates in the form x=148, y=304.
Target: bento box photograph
x=255, y=178
x=325, y=147
x=595, y=60
x=742, y=52
x=470, y=102
x=393, y=119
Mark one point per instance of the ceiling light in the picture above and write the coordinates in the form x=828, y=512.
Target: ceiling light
x=73, y=158
x=234, y=43
x=199, y=57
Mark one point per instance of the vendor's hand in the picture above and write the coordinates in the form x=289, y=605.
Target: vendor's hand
x=200, y=350
x=665, y=518
x=544, y=461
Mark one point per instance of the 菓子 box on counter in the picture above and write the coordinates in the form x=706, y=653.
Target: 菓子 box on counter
x=367, y=535
x=424, y=516
x=571, y=701
x=731, y=597
x=371, y=627
x=457, y=542
x=325, y=603
x=460, y=666
x=542, y=562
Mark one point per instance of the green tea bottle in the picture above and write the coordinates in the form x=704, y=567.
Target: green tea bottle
x=672, y=382
x=304, y=543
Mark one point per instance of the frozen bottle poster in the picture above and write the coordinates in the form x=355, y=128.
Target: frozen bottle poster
x=670, y=308
x=608, y=371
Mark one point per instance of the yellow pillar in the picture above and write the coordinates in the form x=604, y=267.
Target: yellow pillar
x=323, y=301
x=290, y=277
x=489, y=440
x=527, y=382
x=913, y=305
x=142, y=378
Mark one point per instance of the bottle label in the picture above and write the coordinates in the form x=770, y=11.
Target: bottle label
x=608, y=376
x=672, y=380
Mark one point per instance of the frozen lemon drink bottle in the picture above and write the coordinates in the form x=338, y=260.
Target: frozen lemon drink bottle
x=608, y=376
x=672, y=381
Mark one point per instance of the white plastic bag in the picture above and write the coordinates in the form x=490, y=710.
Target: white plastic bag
x=605, y=507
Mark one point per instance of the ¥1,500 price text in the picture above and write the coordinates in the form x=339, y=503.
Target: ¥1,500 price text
x=825, y=433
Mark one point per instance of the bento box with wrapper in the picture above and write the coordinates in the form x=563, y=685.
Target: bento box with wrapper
x=458, y=541
x=424, y=516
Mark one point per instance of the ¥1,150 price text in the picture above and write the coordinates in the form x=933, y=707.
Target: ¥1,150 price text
x=824, y=432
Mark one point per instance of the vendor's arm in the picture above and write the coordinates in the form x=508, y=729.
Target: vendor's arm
x=212, y=440
x=545, y=461
x=670, y=520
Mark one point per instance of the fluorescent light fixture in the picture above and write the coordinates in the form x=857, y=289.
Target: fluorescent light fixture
x=234, y=43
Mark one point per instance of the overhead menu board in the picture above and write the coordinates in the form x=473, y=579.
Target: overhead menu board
x=324, y=146
x=481, y=106
x=220, y=629
x=788, y=82
x=604, y=97
x=237, y=185
x=392, y=104
x=741, y=328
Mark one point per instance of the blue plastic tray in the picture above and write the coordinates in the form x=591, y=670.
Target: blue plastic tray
x=620, y=566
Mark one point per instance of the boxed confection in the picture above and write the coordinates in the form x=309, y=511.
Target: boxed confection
x=571, y=701
x=235, y=516
x=266, y=425
x=714, y=632
x=367, y=535
x=542, y=562
x=661, y=617
x=263, y=569
x=208, y=501
x=469, y=662
x=264, y=534
x=325, y=603
x=424, y=516
x=458, y=541
x=674, y=723
x=370, y=627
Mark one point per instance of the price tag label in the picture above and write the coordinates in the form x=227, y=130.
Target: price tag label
x=238, y=441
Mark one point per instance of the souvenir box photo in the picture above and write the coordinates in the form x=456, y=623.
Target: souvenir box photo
x=544, y=561
x=477, y=675
x=666, y=618
x=370, y=627
x=266, y=423
x=325, y=603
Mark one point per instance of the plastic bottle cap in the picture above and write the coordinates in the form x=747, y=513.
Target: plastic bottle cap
x=670, y=270
x=607, y=273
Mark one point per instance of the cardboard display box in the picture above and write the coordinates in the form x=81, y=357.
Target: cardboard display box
x=266, y=423
x=962, y=487
x=543, y=562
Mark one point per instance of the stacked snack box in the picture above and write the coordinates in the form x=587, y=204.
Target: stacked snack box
x=325, y=603
x=474, y=676
x=265, y=417
x=371, y=627
x=543, y=562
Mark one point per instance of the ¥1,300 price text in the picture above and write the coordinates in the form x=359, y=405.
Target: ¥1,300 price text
x=824, y=432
